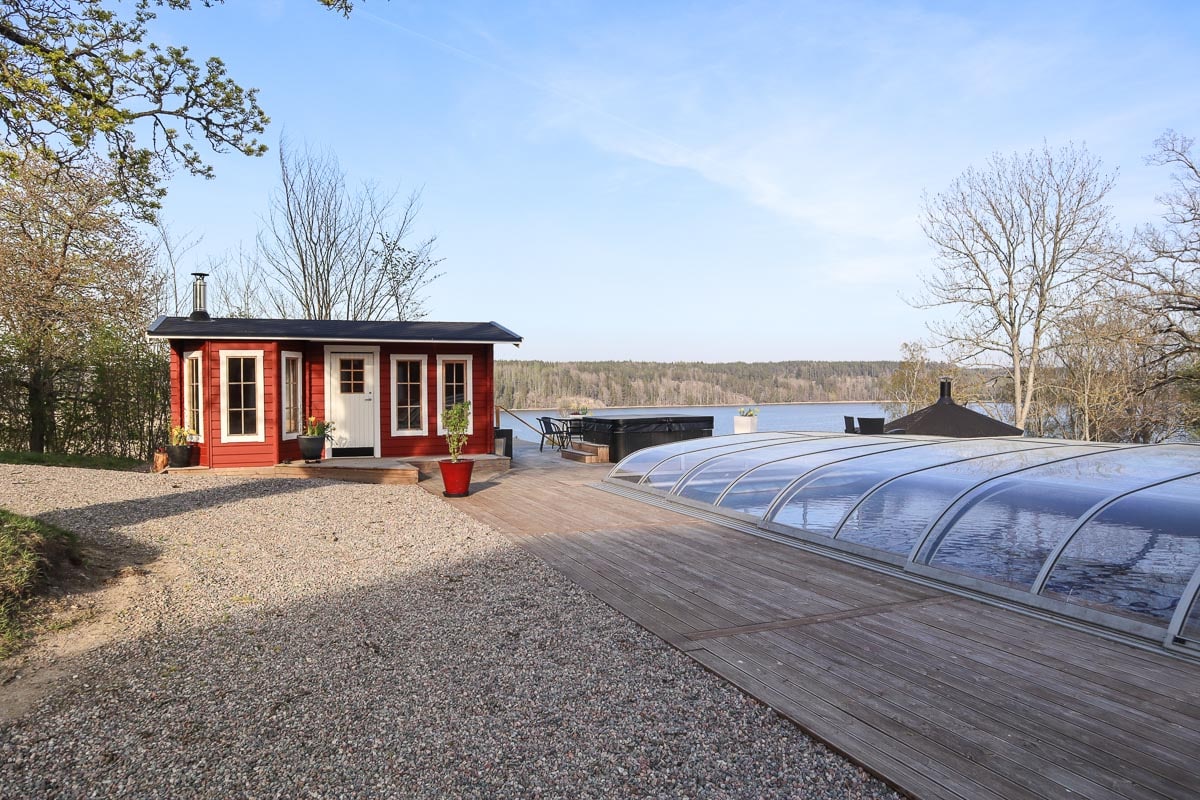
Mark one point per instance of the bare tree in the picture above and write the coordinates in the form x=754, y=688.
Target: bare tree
x=333, y=253
x=1019, y=244
x=1168, y=278
x=173, y=249
x=1101, y=384
x=239, y=283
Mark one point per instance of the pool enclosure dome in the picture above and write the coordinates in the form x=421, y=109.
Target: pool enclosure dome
x=1105, y=534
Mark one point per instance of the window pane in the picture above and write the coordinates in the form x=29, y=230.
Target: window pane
x=248, y=370
x=291, y=392
x=249, y=422
x=234, y=366
x=408, y=395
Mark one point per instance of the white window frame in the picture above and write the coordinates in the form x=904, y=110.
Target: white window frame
x=260, y=411
x=284, y=357
x=424, y=362
x=198, y=357
x=441, y=389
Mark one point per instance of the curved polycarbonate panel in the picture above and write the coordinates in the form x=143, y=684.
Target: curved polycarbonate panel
x=1121, y=523
x=635, y=465
x=755, y=491
x=1136, y=556
x=665, y=474
x=819, y=501
x=706, y=483
x=1004, y=530
x=1191, y=626
x=895, y=516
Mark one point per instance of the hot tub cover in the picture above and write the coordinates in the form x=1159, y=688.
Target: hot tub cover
x=1107, y=534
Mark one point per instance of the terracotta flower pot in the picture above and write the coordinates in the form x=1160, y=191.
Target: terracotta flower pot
x=456, y=477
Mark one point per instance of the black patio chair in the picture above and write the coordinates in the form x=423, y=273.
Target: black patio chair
x=850, y=425
x=574, y=429
x=553, y=433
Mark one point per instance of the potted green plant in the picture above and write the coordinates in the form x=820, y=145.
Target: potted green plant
x=312, y=441
x=746, y=420
x=456, y=473
x=179, y=451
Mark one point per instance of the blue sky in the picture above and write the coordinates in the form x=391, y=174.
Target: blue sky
x=687, y=180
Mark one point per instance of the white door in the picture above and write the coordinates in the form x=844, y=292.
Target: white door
x=352, y=403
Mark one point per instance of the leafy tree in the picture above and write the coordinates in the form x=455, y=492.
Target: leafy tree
x=73, y=273
x=77, y=75
x=1019, y=244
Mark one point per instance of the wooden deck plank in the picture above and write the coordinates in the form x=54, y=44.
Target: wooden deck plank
x=993, y=758
x=836, y=718
x=945, y=699
x=1031, y=676
x=1153, y=677
x=1060, y=725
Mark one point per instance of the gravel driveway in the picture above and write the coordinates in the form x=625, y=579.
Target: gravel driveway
x=296, y=639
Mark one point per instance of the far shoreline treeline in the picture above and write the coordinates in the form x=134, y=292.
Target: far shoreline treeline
x=546, y=384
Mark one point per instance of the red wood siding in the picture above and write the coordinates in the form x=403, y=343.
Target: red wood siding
x=483, y=437
x=275, y=449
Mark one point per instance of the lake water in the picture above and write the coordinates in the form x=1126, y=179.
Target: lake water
x=783, y=417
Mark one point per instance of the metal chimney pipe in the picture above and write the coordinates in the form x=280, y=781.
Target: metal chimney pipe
x=944, y=390
x=199, y=298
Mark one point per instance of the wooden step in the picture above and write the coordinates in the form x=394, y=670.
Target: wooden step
x=600, y=450
x=581, y=456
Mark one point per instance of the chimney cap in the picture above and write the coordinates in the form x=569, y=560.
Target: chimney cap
x=944, y=395
x=199, y=299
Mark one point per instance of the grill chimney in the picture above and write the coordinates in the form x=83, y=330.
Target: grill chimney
x=199, y=299
x=944, y=390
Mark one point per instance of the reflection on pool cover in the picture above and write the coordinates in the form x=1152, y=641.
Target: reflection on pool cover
x=1106, y=533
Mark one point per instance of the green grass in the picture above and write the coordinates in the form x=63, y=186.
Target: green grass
x=66, y=460
x=28, y=550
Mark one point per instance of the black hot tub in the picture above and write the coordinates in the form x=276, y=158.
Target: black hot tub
x=625, y=434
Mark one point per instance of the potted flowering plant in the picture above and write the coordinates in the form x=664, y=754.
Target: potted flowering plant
x=746, y=420
x=456, y=473
x=312, y=441
x=179, y=451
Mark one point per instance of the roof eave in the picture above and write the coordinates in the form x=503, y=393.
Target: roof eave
x=252, y=338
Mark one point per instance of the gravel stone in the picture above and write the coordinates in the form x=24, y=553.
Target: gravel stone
x=296, y=639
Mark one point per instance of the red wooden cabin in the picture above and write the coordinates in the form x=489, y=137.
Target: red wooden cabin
x=247, y=385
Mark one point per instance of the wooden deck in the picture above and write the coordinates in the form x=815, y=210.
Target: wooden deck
x=939, y=695
x=364, y=469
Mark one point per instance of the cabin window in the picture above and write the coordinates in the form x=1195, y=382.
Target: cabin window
x=193, y=394
x=352, y=372
x=408, y=395
x=293, y=395
x=454, y=384
x=242, y=396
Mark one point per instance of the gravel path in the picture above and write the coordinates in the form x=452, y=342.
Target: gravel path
x=311, y=639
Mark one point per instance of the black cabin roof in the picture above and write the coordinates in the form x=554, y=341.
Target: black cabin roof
x=232, y=328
